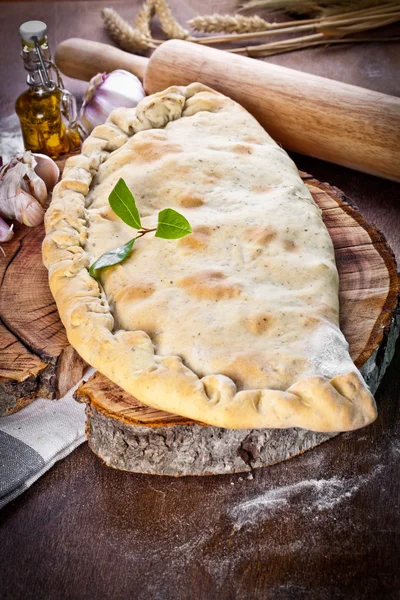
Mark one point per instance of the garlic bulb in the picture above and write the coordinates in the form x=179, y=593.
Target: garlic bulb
x=24, y=185
x=106, y=92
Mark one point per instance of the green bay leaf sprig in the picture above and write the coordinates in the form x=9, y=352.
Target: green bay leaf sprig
x=171, y=226
x=111, y=258
x=123, y=204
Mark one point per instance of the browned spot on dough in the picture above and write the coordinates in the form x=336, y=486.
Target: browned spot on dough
x=321, y=310
x=214, y=173
x=241, y=149
x=183, y=169
x=210, y=285
x=258, y=324
x=190, y=200
x=289, y=245
x=148, y=151
x=254, y=139
x=261, y=234
x=246, y=372
x=261, y=189
x=206, y=229
x=309, y=322
x=196, y=241
x=107, y=213
x=137, y=291
x=258, y=370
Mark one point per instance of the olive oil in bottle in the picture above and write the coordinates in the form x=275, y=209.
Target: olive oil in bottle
x=47, y=112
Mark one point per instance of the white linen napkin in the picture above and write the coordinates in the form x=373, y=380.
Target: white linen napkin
x=34, y=438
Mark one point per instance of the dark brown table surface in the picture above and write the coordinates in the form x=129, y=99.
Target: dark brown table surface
x=323, y=525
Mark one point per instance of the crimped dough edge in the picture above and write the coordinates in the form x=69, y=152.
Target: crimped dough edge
x=128, y=358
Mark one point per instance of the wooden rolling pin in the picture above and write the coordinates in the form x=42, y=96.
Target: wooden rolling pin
x=334, y=121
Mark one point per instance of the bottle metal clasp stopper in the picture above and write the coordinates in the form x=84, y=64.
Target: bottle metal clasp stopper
x=33, y=35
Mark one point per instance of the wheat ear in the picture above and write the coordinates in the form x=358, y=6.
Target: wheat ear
x=144, y=17
x=228, y=24
x=348, y=18
x=123, y=34
x=169, y=24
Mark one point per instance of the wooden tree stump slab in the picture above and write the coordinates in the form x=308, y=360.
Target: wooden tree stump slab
x=128, y=435
x=35, y=357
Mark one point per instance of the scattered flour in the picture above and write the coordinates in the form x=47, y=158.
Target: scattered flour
x=11, y=138
x=312, y=494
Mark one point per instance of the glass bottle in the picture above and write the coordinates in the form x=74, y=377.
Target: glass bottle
x=47, y=112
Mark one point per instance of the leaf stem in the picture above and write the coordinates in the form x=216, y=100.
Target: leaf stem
x=143, y=232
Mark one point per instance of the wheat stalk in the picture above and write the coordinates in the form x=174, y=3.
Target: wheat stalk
x=330, y=9
x=144, y=17
x=322, y=30
x=253, y=52
x=123, y=34
x=310, y=7
x=316, y=39
x=228, y=24
x=341, y=27
x=169, y=24
x=303, y=25
x=139, y=38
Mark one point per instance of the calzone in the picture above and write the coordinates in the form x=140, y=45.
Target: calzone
x=235, y=325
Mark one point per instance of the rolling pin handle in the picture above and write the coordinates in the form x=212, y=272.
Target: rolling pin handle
x=82, y=59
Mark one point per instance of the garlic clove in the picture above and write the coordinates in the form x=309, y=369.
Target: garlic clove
x=6, y=231
x=27, y=209
x=47, y=170
x=11, y=176
x=36, y=187
x=32, y=183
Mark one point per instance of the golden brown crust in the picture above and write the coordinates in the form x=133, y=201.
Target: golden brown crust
x=280, y=362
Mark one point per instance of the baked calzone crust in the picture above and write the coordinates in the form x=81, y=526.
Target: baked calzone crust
x=235, y=325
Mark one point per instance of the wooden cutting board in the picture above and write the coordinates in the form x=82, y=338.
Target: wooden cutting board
x=36, y=360
x=35, y=357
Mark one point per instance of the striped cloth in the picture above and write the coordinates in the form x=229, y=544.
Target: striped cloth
x=36, y=437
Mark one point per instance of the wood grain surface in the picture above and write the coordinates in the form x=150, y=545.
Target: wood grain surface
x=37, y=359
x=323, y=525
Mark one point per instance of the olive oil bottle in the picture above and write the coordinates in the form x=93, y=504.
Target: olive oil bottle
x=47, y=112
